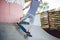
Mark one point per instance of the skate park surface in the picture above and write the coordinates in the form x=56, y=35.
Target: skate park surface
x=37, y=32
x=11, y=33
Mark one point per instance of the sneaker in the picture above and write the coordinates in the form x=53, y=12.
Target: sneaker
x=28, y=34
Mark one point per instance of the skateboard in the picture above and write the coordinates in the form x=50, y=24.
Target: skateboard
x=27, y=34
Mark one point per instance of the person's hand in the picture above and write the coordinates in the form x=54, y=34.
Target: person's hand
x=24, y=9
x=21, y=17
x=41, y=2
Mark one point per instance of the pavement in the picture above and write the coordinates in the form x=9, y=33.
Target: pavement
x=9, y=32
x=39, y=34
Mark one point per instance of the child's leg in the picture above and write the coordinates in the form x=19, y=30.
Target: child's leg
x=25, y=17
x=31, y=19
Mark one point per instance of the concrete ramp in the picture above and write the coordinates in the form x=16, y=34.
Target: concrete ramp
x=39, y=34
x=9, y=32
